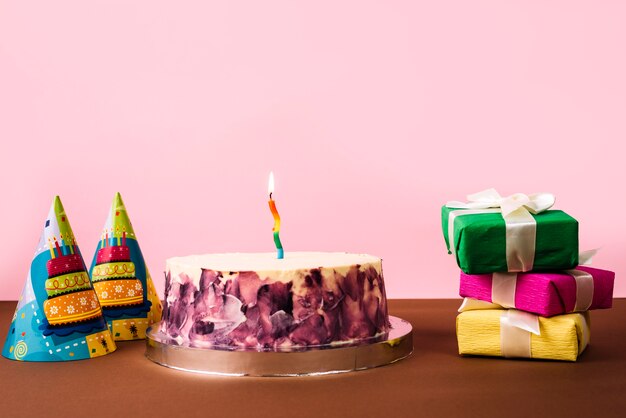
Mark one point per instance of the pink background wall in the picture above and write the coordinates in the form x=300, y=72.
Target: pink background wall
x=371, y=113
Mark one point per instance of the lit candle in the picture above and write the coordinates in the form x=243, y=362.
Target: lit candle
x=106, y=238
x=276, y=228
x=117, y=234
x=124, y=236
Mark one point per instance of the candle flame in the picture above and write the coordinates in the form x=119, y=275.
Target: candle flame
x=270, y=184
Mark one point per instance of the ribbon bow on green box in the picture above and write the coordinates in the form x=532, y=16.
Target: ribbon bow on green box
x=518, y=233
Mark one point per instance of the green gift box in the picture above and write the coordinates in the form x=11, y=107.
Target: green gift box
x=480, y=239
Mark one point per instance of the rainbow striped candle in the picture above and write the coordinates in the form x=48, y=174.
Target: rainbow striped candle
x=276, y=228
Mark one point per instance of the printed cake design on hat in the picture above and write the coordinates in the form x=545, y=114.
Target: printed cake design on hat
x=121, y=279
x=70, y=296
x=58, y=316
x=114, y=276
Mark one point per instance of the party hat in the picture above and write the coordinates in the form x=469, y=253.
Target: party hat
x=121, y=279
x=58, y=317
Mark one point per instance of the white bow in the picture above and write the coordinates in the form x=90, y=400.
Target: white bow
x=517, y=211
x=490, y=198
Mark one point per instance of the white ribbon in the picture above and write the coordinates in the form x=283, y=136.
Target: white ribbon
x=584, y=282
x=503, y=287
x=584, y=289
x=586, y=257
x=471, y=304
x=490, y=198
x=516, y=210
x=515, y=329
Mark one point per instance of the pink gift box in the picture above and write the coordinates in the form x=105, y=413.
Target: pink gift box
x=545, y=294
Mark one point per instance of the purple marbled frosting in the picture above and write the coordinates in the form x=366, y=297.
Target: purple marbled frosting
x=242, y=310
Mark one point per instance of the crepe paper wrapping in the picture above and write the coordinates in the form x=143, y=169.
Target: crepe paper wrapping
x=121, y=278
x=516, y=211
x=58, y=317
x=480, y=241
x=562, y=337
x=544, y=293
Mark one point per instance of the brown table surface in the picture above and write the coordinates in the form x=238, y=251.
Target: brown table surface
x=433, y=381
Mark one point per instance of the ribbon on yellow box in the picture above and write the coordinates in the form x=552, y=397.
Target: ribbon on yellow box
x=485, y=331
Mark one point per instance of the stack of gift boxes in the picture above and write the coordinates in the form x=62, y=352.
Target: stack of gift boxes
x=526, y=291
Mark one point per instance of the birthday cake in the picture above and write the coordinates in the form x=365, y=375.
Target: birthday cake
x=114, y=277
x=70, y=296
x=256, y=301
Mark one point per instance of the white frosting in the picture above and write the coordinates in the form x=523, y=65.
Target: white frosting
x=266, y=264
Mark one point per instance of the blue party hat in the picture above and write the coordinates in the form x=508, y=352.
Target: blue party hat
x=58, y=316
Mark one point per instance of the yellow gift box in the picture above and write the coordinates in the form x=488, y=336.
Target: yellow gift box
x=499, y=333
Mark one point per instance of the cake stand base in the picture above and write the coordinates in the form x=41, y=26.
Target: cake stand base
x=312, y=361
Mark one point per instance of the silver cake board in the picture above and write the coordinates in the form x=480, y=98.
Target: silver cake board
x=398, y=344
